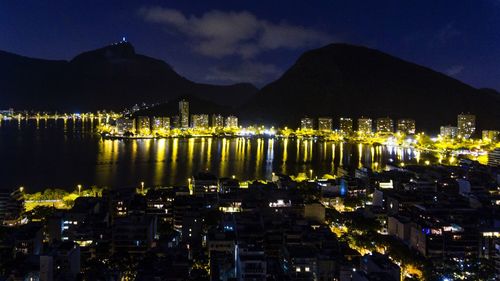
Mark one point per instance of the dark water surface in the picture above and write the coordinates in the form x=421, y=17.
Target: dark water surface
x=63, y=154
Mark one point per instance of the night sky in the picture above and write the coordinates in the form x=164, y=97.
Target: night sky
x=232, y=41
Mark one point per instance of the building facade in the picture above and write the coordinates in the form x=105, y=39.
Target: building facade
x=494, y=158
x=325, y=124
x=143, y=127
x=345, y=125
x=306, y=123
x=232, y=122
x=490, y=135
x=184, y=114
x=217, y=121
x=160, y=123
x=406, y=126
x=385, y=125
x=365, y=125
x=124, y=125
x=199, y=121
x=450, y=132
x=466, y=124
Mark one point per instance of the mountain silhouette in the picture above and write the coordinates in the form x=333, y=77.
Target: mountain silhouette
x=112, y=77
x=338, y=80
x=341, y=80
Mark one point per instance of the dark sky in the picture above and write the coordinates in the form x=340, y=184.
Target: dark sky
x=255, y=41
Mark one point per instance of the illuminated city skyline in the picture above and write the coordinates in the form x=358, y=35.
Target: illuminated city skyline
x=250, y=140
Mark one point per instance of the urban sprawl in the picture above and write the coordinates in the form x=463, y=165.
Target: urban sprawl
x=401, y=222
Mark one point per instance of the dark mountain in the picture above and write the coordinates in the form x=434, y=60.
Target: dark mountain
x=344, y=80
x=27, y=81
x=112, y=77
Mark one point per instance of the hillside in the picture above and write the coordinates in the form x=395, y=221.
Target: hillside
x=351, y=81
x=112, y=77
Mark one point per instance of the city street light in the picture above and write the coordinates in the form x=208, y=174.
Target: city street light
x=142, y=187
x=311, y=173
x=79, y=189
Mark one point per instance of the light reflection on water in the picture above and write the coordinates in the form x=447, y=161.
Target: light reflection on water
x=48, y=153
x=171, y=161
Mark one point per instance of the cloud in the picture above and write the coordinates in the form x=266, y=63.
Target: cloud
x=253, y=72
x=454, y=70
x=447, y=32
x=220, y=33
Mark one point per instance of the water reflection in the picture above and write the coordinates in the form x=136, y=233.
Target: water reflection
x=171, y=161
x=65, y=152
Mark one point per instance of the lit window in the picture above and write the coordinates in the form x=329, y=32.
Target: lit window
x=307, y=268
x=297, y=269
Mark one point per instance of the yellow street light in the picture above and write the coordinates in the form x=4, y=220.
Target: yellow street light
x=79, y=189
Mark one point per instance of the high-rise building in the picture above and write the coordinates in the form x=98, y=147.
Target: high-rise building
x=175, y=121
x=494, y=158
x=466, y=124
x=217, y=121
x=132, y=233
x=345, y=125
x=306, y=123
x=406, y=126
x=184, y=114
x=199, y=121
x=491, y=135
x=124, y=125
x=365, y=125
x=11, y=205
x=385, y=125
x=232, y=122
x=161, y=123
x=450, y=132
x=325, y=124
x=143, y=126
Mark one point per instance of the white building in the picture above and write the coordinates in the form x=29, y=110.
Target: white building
x=450, y=132
x=306, y=123
x=466, y=124
x=232, y=122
